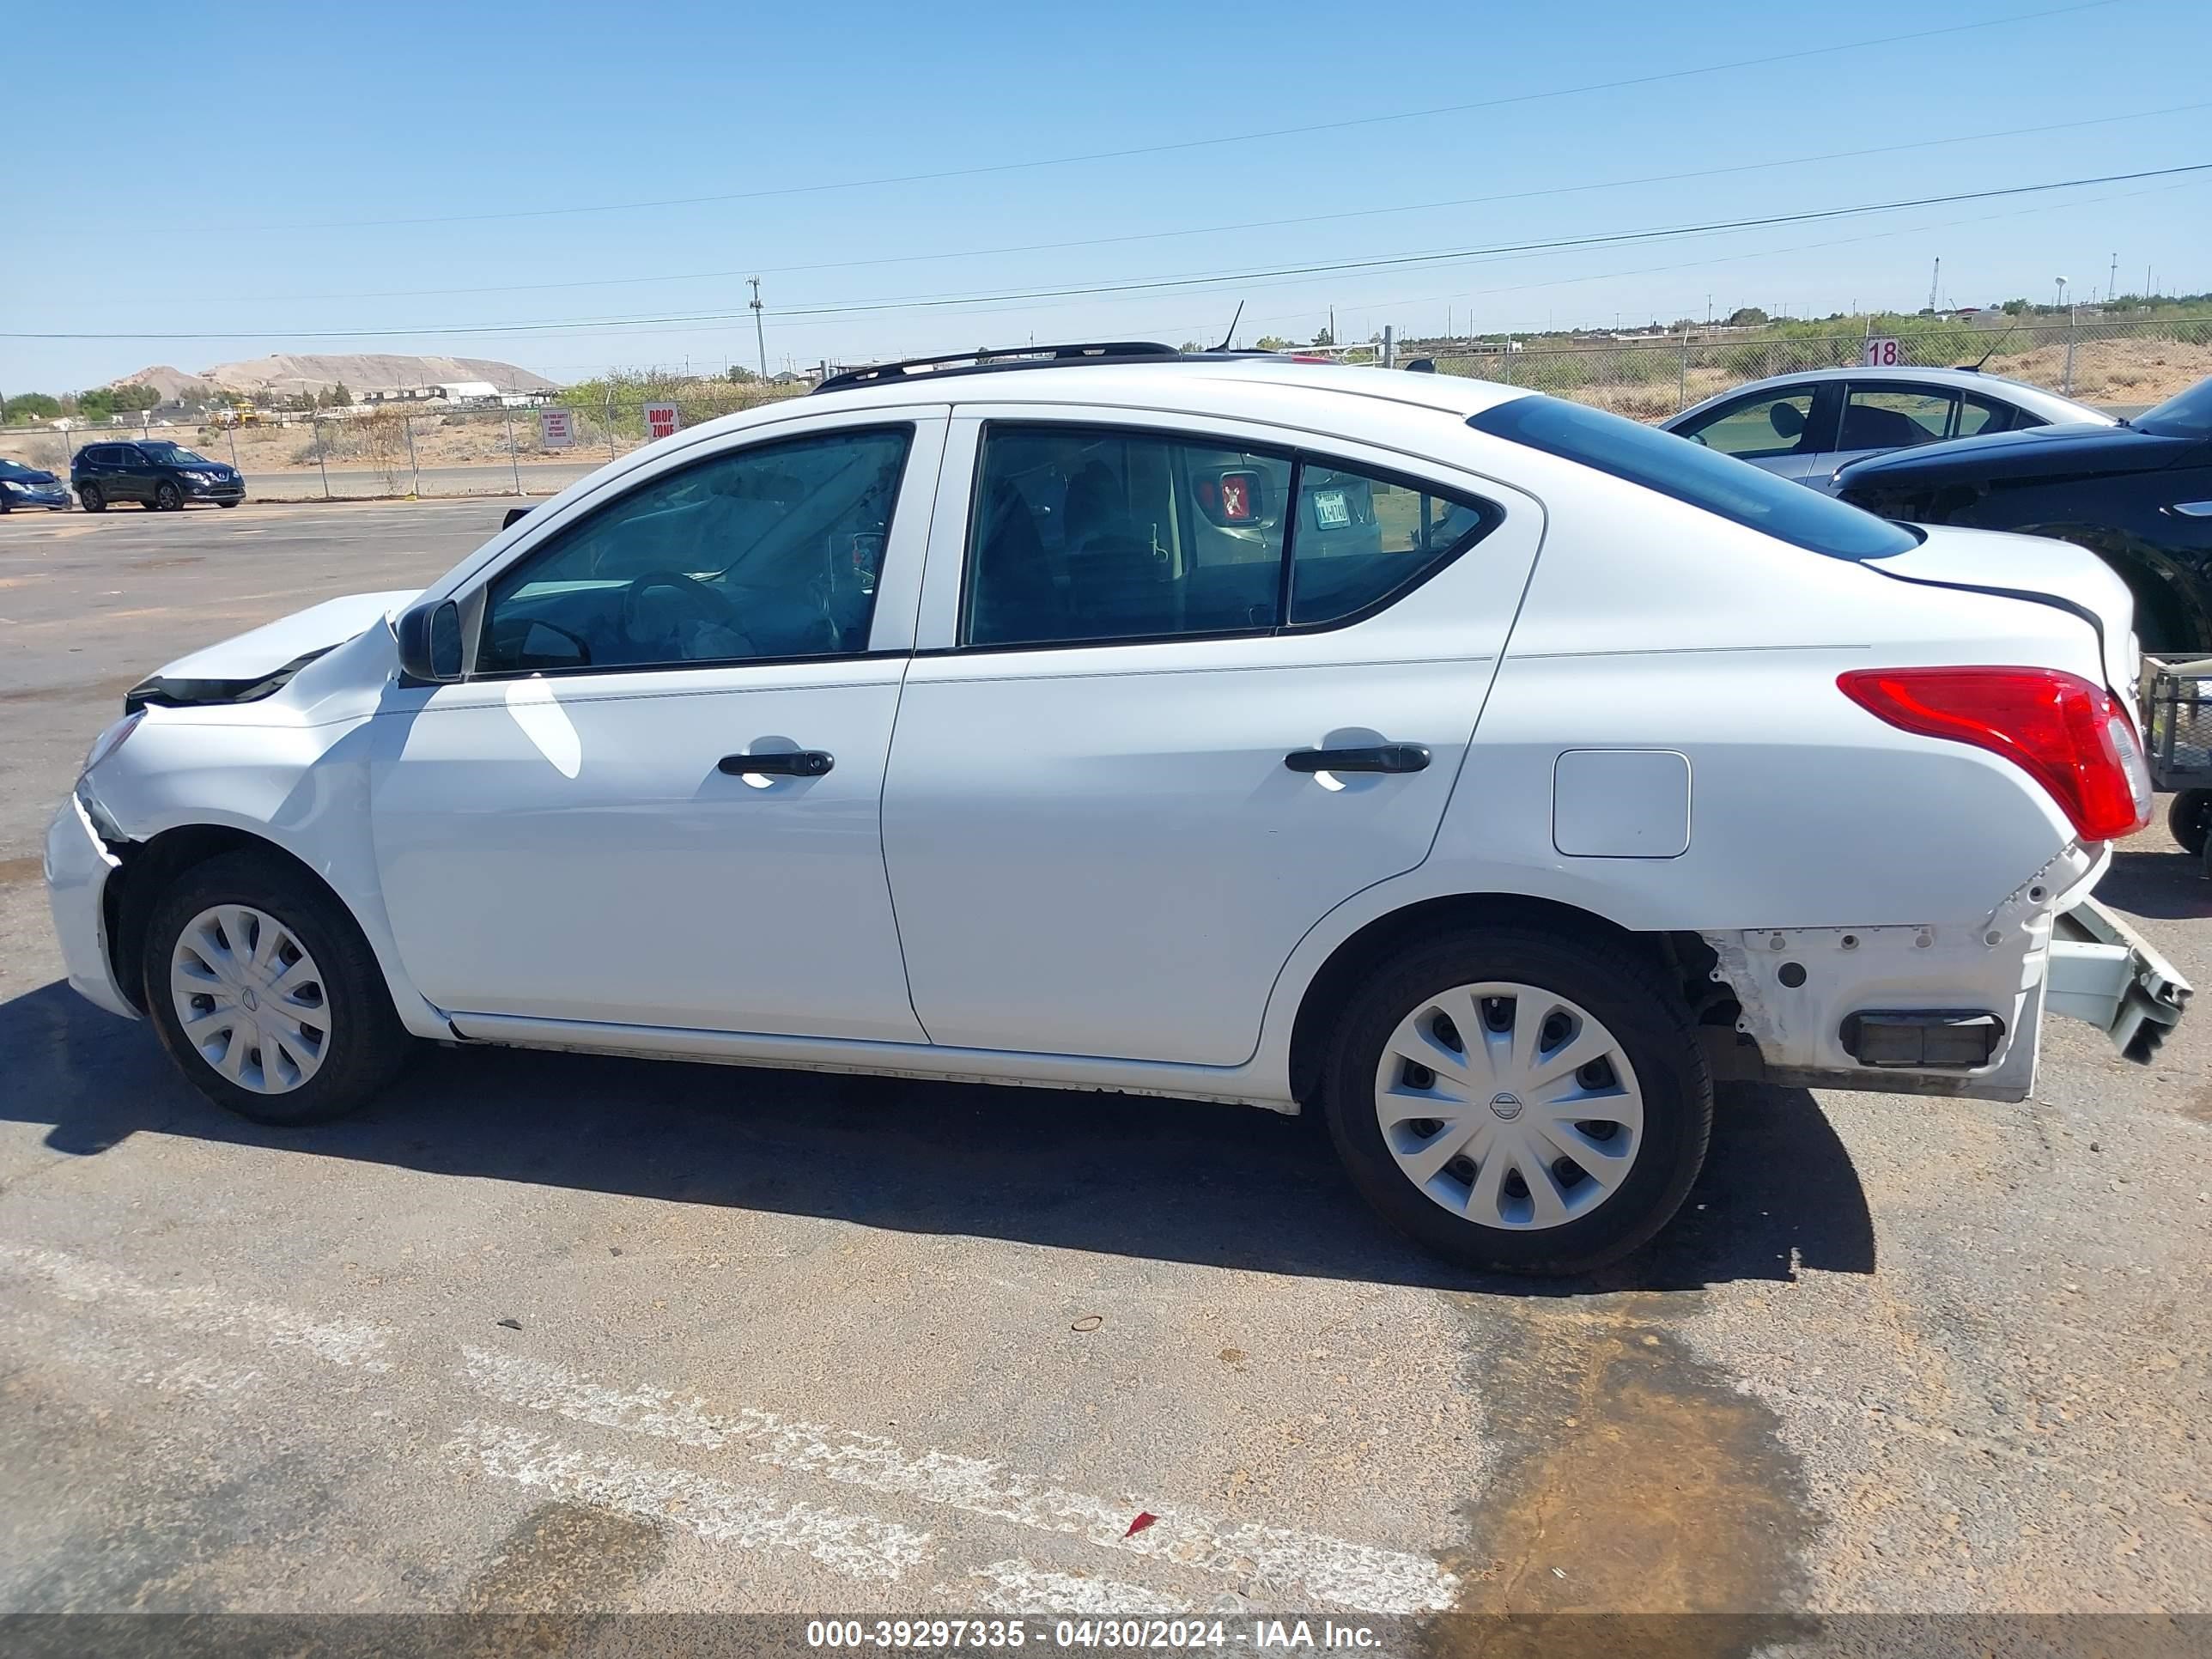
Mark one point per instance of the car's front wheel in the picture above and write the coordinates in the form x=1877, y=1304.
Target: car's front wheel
x=266, y=995
x=1519, y=1101
x=167, y=498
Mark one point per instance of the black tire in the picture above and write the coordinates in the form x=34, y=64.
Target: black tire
x=226, y=503
x=1614, y=985
x=91, y=498
x=2189, y=818
x=167, y=498
x=368, y=1045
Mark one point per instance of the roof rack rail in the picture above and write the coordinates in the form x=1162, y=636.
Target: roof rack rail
x=1029, y=356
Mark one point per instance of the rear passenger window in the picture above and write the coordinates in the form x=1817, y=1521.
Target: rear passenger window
x=1084, y=534
x=1091, y=534
x=1876, y=417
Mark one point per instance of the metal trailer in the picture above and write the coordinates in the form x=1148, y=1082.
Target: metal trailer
x=2174, y=698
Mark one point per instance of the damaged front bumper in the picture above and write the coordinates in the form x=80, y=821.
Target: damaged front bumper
x=1954, y=1008
x=77, y=867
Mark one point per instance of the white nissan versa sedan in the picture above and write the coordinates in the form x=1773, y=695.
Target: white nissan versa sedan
x=1486, y=771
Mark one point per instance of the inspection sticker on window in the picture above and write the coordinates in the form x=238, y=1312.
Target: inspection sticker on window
x=1331, y=510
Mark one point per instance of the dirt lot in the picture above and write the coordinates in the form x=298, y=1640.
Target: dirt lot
x=542, y=1335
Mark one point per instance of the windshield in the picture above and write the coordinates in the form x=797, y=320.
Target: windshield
x=1674, y=466
x=173, y=455
x=20, y=474
x=2185, y=414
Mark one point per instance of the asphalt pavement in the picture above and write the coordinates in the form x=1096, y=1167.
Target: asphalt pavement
x=543, y=1333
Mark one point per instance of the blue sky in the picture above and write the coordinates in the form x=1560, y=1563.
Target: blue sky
x=256, y=178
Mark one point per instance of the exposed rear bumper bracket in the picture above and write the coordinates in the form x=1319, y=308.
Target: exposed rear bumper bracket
x=2103, y=971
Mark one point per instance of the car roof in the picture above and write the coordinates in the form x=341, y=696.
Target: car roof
x=2034, y=398
x=1174, y=381
x=1323, y=396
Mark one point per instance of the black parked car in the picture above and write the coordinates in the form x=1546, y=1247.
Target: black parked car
x=26, y=486
x=2138, y=494
x=154, y=473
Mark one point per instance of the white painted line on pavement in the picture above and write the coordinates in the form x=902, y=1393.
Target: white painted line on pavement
x=858, y=1545
x=1354, y=1575
x=201, y=1307
x=1020, y=1586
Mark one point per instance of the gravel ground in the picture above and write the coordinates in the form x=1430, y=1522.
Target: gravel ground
x=542, y=1335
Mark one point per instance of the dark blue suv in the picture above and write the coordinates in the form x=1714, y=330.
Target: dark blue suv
x=154, y=473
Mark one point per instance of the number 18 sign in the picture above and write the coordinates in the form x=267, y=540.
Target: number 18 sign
x=1881, y=352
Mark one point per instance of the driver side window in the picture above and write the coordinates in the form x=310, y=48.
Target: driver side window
x=767, y=552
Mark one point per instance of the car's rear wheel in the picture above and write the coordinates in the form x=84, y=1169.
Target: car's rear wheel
x=2190, y=818
x=1519, y=1101
x=91, y=499
x=266, y=995
x=167, y=498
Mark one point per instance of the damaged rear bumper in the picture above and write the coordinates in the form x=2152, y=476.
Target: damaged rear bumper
x=1943, y=1009
x=2103, y=971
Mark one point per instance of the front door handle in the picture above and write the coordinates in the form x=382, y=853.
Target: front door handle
x=1382, y=757
x=784, y=764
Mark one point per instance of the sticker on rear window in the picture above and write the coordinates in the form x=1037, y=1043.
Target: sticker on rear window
x=1331, y=510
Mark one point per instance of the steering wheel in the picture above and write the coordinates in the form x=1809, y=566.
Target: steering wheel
x=703, y=600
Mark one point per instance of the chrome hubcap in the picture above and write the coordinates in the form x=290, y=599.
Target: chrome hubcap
x=1508, y=1105
x=250, y=999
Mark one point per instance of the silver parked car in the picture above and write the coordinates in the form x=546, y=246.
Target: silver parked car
x=1806, y=426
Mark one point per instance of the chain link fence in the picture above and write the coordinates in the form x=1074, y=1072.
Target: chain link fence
x=508, y=448
x=395, y=449
x=2121, y=365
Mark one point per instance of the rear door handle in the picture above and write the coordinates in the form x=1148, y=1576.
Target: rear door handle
x=784, y=764
x=1382, y=757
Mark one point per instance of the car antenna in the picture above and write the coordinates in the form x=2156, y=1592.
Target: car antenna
x=1992, y=351
x=1230, y=338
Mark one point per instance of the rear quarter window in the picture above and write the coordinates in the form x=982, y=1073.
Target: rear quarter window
x=1730, y=488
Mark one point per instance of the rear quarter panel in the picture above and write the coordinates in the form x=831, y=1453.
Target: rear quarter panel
x=1651, y=624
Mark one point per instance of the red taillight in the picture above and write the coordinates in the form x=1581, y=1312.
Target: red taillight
x=2073, y=737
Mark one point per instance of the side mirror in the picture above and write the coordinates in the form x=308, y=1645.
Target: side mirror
x=430, y=644
x=513, y=514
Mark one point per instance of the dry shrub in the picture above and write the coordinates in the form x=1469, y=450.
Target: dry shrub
x=384, y=445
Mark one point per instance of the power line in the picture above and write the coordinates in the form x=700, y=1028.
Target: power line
x=1188, y=329
x=1186, y=144
x=1726, y=258
x=1221, y=229
x=1157, y=284
x=1375, y=304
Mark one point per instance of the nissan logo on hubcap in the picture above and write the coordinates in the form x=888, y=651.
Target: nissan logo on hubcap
x=1507, y=1106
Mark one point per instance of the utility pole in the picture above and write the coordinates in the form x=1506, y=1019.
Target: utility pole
x=1934, y=281
x=760, y=336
